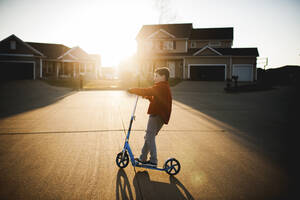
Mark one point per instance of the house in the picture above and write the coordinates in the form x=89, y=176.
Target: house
x=108, y=73
x=194, y=53
x=30, y=60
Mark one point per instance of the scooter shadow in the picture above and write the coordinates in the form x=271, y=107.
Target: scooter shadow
x=147, y=189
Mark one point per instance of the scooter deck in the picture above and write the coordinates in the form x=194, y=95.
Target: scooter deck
x=148, y=166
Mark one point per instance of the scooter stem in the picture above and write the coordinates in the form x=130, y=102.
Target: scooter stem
x=137, y=97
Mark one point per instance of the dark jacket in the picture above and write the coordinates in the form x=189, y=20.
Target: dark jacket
x=160, y=98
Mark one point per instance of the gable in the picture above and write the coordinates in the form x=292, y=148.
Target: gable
x=160, y=34
x=69, y=57
x=75, y=53
x=20, y=47
x=79, y=53
x=207, y=51
x=177, y=30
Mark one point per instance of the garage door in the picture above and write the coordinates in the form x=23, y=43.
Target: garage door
x=16, y=71
x=244, y=72
x=207, y=72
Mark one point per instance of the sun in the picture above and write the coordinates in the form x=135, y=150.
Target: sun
x=110, y=36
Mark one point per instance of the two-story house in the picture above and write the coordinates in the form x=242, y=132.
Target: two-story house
x=31, y=60
x=195, y=54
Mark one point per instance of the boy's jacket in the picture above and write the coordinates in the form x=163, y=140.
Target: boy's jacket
x=160, y=99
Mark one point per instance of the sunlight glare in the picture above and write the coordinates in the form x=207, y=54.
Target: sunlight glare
x=110, y=32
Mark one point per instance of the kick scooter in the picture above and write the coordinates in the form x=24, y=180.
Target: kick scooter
x=171, y=166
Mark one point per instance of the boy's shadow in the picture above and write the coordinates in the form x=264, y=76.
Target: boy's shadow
x=147, y=189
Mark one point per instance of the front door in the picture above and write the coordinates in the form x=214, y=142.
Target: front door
x=171, y=66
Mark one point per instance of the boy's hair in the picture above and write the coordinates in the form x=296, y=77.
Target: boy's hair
x=163, y=71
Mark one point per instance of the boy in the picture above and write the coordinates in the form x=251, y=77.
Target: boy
x=159, y=112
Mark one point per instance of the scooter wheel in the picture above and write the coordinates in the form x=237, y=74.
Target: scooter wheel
x=122, y=161
x=172, y=166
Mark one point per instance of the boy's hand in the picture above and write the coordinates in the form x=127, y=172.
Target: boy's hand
x=129, y=90
x=148, y=97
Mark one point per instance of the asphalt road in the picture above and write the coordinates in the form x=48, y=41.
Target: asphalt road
x=65, y=148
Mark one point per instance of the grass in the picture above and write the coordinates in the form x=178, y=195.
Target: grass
x=68, y=83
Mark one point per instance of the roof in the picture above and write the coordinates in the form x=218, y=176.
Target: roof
x=238, y=51
x=23, y=46
x=212, y=33
x=51, y=51
x=187, y=31
x=46, y=50
x=59, y=51
x=76, y=53
x=178, y=30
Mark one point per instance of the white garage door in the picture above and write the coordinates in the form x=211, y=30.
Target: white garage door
x=243, y=71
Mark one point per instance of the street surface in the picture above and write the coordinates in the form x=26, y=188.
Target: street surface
x=65, y=147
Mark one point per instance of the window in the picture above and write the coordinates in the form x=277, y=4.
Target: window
x=13, y=45
x=81, y=66
x=193, y=44
x=168, y=45
x=214, y=43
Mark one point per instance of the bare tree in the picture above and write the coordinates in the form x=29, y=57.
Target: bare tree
x=166, y=13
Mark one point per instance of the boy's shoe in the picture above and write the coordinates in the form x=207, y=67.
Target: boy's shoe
x=139, y=161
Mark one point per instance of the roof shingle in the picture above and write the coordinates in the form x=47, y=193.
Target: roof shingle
x=51, y=51
x=178, y=30
x=187, y=31
x=212, y=33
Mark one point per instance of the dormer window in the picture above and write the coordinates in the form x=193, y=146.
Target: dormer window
x=214, y=43
x=13, y=45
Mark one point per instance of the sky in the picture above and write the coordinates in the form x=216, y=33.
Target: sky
x=109, y=27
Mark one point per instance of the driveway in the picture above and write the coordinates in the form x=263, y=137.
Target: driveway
x=66, y=148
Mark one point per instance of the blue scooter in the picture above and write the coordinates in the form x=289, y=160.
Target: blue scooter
x=171, y=166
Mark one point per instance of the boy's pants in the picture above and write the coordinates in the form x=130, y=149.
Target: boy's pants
x=155, y=123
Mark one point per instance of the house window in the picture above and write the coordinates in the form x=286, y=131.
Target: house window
x=168, y=45
x=193, y=44
x=214, y=43
x=13, y=45
x=82, y=68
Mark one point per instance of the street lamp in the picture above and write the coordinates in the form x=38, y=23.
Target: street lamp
x=265, y=62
